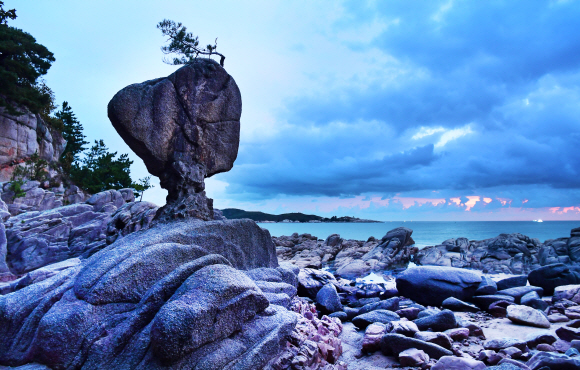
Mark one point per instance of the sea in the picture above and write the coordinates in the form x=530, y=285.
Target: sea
x=426, y=233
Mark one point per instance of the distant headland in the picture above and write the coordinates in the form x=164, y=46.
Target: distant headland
x=234, y=213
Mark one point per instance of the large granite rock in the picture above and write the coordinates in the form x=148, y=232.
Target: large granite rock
x=431, y=285
x=554, y=275
x=22, y=136
x=185, y=127
x=170, y=297
x=37, y=239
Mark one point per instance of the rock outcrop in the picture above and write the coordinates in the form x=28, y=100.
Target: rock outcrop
x=173, y=297
x=22, y=136
x=506, y=253
x=348, y=258
x=40, y=238
x=185, y=127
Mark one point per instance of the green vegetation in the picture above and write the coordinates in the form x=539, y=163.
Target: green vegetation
x=184, y=44
x=99, y=170
x=16, y=187
x=73, y=134
x=141, y=185
x=22, y=62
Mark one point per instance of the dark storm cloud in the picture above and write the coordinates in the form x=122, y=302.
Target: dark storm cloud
x=506, y=73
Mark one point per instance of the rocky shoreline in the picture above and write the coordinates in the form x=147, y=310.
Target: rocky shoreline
x=112, y=283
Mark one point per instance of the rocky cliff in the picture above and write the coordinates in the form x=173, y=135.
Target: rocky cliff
x=22, y=136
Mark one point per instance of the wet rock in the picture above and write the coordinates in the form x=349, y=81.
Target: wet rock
x=535, y=339
x=456, y=305
x=428, y=312
x=341, y=315
x=439, y=322
x=527, y=316
x=413, y=357
x=397, y=343
x=431, y=285
x=490, y=357
x=512, y=352
x=382, y=316
x=512, y=282
x=458, y=363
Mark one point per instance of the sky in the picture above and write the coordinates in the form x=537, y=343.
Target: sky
x=386, y=110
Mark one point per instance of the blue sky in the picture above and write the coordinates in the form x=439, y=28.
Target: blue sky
x=391, y=110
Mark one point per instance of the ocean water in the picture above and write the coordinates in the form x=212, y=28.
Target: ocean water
x=429, y=232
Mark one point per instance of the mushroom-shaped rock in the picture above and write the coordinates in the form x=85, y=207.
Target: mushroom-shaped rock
x=185, y=127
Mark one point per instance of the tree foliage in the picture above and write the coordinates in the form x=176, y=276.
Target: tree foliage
x=141, y=185
x=184, y=44
x=34, y=169
x=22, y=62
x=100, y=170
x=72, y=132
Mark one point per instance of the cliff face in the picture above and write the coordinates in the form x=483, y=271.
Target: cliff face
x=22, y=136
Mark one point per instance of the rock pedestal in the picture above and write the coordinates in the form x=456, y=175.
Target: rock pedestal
x=185, y=127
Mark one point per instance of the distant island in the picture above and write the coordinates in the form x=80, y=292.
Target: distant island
x=234, y=213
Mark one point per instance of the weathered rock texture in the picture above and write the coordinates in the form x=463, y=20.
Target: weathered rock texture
x=348, y=258
x=185, y=127
x=507, y=253
x=170, y=297
x=22, y=136
x=37, y=239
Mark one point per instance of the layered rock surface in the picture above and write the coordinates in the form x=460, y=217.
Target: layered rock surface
x=21, y=137
x=185, y=127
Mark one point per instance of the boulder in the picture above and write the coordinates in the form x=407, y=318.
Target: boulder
x=381, y=316
x=440, y=339
x=327, y=299
x=413, y=357
x=173, y=294
x=550, y=276
x=372, y=338
x=553, y=361
x=512, y=282
x=532, y=299
x=458, y=363
x=407, y=328
x=431, y=285
x=391, y=304
x=569, y=292
x=397, y=343
x=487, y=286
x=518, y=292
x=527, y=316
x=499, y=344
x=185, y=127
x=439, y=322
x=310, y=281
x=456, y=305
x=484, y=301
x=37, y=239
